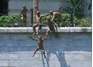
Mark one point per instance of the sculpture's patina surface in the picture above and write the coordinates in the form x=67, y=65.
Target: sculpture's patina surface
x=50, y=24
x=23, y=16
x=56, y=15
x=40, y=44
x=37, y=22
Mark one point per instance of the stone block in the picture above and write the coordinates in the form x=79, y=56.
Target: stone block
x=3, y=63
x=65, y=64
x=47, y=50
x=55, y=64
x=81, y=50
x=19, y=49
x=30, y=29
x=62, y=29
x=61, y=37
x=4, y=49
x=4, y=56
x=37, y=63
x=81, y=64
x=9, y=43
x=71, y=57
x=3, y=30
x=77, y=43
x=13, y=56
x=87, y=43
x=18, y=30
x=23, y=63
x=13, y=63
x=76, y=29
x=48, y=43
x=32, y=49
x=87, y=57
x=80, y=29
x=29, y=57
x=29, y=43
x=81, y=36
x=4, y=36
x=65, y=36
x=52, y=36
x=50, y=57
x=60, y=50
x=19, y=37
x=66, y=43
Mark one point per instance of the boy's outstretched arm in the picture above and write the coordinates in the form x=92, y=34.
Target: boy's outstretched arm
x=45, y=38
x=33, y=38
x=44, y=21
x=44, y=15
x=55, y=23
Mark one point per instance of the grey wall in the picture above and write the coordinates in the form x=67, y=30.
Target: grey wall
x=15, y=6
x=68, y=50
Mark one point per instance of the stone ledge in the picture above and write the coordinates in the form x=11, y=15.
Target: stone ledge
x=44, y=29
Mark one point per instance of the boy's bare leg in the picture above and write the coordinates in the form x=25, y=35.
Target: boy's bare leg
x=48, y=30
x=35, y=51
x=25, y=23
x=39, y=26
x=34, y=26
x=22, y=22
x=43, y=53
x=63, y=21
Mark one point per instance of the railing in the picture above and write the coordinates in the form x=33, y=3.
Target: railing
x=2, y=14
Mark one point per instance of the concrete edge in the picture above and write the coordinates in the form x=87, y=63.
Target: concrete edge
x=44, y=29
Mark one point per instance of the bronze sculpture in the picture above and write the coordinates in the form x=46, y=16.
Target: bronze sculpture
x=56, y=15
x=23, y=16
x=38, y=22
x=40, y=44
x=50, y=24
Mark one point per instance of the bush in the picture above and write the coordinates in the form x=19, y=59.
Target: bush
x=77, y=6
x=84, y=22
x=8, y=21
x=66, y=18
x=4, y=21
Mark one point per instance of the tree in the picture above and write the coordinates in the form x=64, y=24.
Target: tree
x=35, y=6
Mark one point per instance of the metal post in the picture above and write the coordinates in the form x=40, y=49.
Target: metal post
x=31, y=17
x=71, y=23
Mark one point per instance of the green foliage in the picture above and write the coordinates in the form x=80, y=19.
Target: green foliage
x=15, y=18
x=77, y=8
x=8, y=21
x=74, y=2
x=84, y=22
x=5, y=21
x=66, y=18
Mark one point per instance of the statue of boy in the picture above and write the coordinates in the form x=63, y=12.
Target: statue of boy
x=40, y=44
x=50, y=25
x=56, y=15
x=38, y=22
x=23, y=16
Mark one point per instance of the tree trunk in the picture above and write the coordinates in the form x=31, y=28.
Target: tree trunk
x=35, y=6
